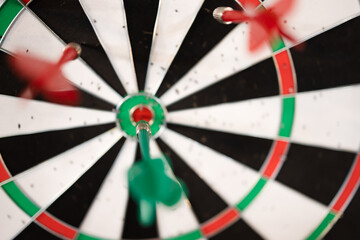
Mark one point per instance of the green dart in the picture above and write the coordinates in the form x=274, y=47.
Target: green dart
x=148, y=182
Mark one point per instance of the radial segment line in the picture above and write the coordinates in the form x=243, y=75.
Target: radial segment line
x=37, y=188
x=106, y=215
x=256, y=117
x=33, y=37
x=22, y=116
x=228, y=57
x=269, y=170
x=109, y=22
x=280, y=212
x=328, y=118
x=221, y=173
x=178, y=219
x=57, y=174
x=173, y=21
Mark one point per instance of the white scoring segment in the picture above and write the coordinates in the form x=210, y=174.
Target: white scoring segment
x=256, y=117
x=2, y=2
x=106, y=216
x=309, y=18
x=45, y=182
x=228, y=178
x=29, y=35
x=178, y=219
x=328, y=118
x=12, y=219
x=280, y=213
x=108, y=19
x=174, y=19
x=230, y=56
x=21, y=116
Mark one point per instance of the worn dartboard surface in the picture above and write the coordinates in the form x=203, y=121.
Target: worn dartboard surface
x=266, y=142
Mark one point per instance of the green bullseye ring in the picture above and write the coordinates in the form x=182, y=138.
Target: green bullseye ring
x=126, y=108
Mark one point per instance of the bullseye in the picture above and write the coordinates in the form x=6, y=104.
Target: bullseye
x=140, y=107
x=142, y=112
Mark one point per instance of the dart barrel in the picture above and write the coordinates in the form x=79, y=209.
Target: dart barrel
x=219, y=12
x=143, y=133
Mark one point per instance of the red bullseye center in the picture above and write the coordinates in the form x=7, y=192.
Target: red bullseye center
x=142, y=113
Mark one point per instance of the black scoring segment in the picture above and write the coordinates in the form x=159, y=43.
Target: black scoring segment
x=257, y=81
x=72, y=206
x=316, y=172
x=34, y=231
x=330, y=59
x=132, y=227
x=203, y=35
x=247, y=150
x=239, y=228
x=141, y=16
x=23, y=152
x=68, y=20
x=89, y=101
x=10, y=84
x=205, y=202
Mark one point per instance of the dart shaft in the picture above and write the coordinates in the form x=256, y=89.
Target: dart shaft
x=143, y=133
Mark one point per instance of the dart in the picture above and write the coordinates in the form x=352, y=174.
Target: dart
x=148, y=181
x=264, y=23
x=267, y=142
x=45, y=78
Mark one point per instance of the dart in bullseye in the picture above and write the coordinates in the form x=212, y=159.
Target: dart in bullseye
x=265, y=24
x=45, y=78
x=148, y=181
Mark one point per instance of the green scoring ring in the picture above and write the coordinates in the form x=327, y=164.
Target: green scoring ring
x=125, y=108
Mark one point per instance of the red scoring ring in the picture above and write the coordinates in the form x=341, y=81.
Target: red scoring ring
x=142, y=112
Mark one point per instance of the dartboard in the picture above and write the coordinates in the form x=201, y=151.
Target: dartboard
x=266, y=142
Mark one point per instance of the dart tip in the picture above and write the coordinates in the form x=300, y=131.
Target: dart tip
x=143, y=125
x=218, y=13
x=74, y=46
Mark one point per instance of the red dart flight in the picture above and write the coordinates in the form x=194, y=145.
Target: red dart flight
x=45, y=78
x=264, y=23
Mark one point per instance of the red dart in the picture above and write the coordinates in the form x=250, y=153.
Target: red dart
x=264, y=23
x=45, y=78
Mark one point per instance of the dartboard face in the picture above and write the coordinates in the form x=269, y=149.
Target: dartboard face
x=267, y=142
